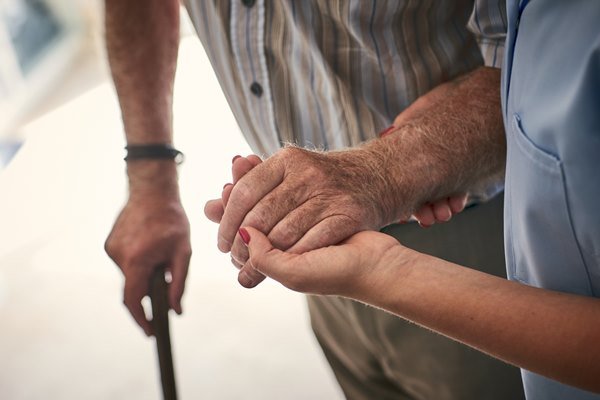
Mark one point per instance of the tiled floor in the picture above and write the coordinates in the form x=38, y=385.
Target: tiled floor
x=63, y=331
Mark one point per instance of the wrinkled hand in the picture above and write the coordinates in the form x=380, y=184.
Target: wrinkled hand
x=302, y=199
x=148, y=234
x=428, y=214
x=355, y=268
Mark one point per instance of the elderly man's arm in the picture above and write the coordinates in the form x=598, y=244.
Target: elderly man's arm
x=152, y=230
x=306, y=200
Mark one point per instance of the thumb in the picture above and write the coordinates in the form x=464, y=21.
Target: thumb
x=266, y=259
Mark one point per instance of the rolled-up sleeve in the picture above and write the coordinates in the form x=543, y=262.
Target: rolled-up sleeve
x=488, y=24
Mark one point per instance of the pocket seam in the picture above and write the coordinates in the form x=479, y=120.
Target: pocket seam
x=541, y=157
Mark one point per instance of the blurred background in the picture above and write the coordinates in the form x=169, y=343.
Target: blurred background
x=64, y=333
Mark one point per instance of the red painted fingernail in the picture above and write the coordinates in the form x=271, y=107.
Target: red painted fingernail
x=227, y=184
x=235, y=158
x=244, y=235
x=386, y=131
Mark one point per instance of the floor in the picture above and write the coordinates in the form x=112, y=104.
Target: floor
x=64, y=332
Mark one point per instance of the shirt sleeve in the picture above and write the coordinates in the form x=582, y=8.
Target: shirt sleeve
x=488, y=24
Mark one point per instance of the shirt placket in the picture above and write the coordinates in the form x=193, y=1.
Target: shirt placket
x=247, y=31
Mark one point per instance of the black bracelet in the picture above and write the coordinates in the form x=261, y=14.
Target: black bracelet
x=153, y=151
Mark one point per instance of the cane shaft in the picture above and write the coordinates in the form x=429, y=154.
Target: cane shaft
x=160, y=324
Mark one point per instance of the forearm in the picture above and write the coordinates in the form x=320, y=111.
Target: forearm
x=452, y=142
x=142, y=39
x=551, y=333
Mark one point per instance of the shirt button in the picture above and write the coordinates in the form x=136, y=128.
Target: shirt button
x=256, y=89
x=248, y=3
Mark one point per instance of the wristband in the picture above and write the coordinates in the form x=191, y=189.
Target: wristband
x=153, y=151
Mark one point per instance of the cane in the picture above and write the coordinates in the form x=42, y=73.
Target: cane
x=160, y=324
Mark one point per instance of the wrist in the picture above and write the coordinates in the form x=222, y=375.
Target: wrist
x=411, y=171
x=153, y=177
x=390, y=192
x=388, y=281
x=363, y=174
x=153, y=151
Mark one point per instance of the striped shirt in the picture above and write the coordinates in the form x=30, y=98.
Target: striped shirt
x=330, y=74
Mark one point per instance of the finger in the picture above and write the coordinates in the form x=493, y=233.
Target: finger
x=275, y=206
x=213, y=209
x=249, y=277
x=239, y=252
x=297, y=223
x=135, y=291
x=331, y=230
x=267, y=260
x=245, y=195
x=240, y=167
x=425, y=215
x=299, y=272
x=179, y=270
x=458, y=203
x=441, y=210
x=254, y=159
x=236, y=264
x=226, y=194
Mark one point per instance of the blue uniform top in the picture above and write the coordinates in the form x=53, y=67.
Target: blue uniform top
x=551, y=105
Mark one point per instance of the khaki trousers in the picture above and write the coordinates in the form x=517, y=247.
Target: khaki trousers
x=377, y=356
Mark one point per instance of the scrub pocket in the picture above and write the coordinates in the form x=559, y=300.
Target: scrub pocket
x=541, y=248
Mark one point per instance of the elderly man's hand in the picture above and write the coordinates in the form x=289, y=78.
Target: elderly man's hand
x=428, y=214
x=152, y=231
x=303, y=200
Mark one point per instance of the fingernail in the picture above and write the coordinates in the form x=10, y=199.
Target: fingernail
x=227, y=184
x=386, y=131
x=245, y=236
x=235, y=158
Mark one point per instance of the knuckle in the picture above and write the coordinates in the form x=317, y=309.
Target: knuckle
x=259, y=218
x=289, y=151
x=127, y=301
x=285, y=235
x=241, y=194
x=312, y=174
x=110, y=247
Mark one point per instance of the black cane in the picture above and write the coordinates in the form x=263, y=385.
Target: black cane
x=160, y=324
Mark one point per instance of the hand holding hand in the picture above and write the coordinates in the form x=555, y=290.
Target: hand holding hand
x=302, y=199
x=428, y=214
